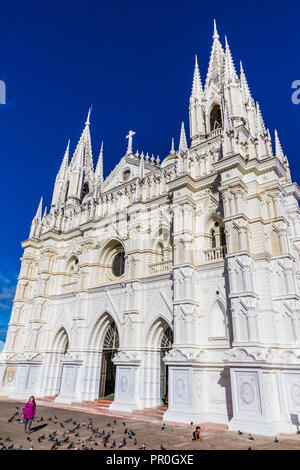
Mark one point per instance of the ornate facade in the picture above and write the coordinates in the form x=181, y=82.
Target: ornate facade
x=172, y=279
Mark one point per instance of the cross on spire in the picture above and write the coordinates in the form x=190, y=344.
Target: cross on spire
x=129, y=137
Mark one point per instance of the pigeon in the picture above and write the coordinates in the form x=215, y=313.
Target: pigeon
x=28, y=439
x=10, y=447
x=20, y=448
x=251, y=437
x=249, y=448
x=162, y=447
x=70, y=446
x=30, y=448
x=62, y=425
x=113, y=444
x=135, y=442
x=143, y=447
x=132, y=432
x=240, y=433
x=130, y=437
x=124, y=424
x=84, y=447
x=163, y=427
x=115, y=422
x=8, y=439
x=275, y=439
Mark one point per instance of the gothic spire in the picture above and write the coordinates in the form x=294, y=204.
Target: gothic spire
x=229, y=68
x=278, y=149
x=64, y=163
x=83, y=152
x=182, y=143
x=99, y=167
x=244, y=85
x=197, y=85
x=216, y=60
x=38, y=214
x=260, y=125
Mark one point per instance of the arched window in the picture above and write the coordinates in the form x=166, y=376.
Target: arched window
x=73, y=265
x=275, y=243
x=215, y=118
x=85, y=191
x=118, y=264
x=66, y=348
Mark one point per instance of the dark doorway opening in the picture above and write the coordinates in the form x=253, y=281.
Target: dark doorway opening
x=166, y=345
x=108, y=368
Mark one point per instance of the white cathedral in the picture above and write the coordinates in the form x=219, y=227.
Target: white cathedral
x=173, y=281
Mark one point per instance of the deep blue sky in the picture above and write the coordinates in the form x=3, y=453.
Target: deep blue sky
x=134, y=62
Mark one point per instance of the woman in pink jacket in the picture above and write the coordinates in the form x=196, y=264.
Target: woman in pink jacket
x=28, y=413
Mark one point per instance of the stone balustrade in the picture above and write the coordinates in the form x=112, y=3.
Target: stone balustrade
x=215, y=254
x=162, y=267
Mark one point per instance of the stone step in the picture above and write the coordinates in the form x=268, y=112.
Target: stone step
x=49, y=398
x=156, y=412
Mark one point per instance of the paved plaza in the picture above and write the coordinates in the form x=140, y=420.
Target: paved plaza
x=145, y=431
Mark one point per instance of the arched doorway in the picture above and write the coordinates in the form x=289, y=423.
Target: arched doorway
x=108, y=369
x=166, y=345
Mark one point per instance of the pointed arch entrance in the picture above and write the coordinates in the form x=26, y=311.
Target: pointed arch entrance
x=166, y=345
x=108, y=368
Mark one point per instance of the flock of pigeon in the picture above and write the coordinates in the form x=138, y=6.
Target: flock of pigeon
x=68, y=435
x=251, y=438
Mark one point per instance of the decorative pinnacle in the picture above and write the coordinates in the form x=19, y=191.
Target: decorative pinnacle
x=182, y=143
x=172, y=152
x=99, y=167
x=278, y=148
x=259, y=120
x=38, y=215
x=197, y=85
x=88, y=116
x=142, y=166
x=215, y=35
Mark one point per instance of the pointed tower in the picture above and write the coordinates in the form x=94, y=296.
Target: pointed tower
x=182, y=143
x=215, y=68
x=99, y=174
x=61, y=178
x=278, y=149
x=36, y=221
x=197, y=123
x=231, y=83
x=248, y=102
x=81, y=167
x=99, y=167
